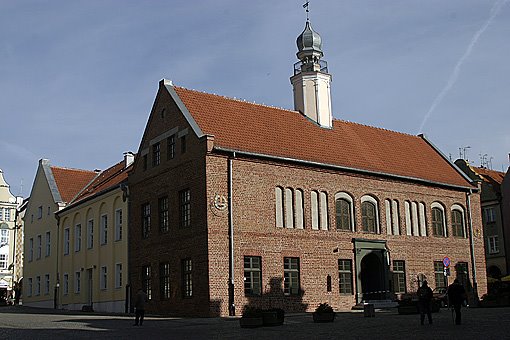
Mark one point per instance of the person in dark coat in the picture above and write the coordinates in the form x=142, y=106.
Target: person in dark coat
x=424, y=301
x=456, y=296
x=140, y=300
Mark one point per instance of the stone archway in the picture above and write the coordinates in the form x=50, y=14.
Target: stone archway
x=372, y=285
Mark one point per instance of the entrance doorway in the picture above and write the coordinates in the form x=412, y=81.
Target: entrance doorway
x=372, y=285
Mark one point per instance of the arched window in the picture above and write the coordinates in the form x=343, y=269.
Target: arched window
x=289, y=208
x=458, y=226
x=369, y=215
x=438, y=221
x=279, y=206
x=344, y=211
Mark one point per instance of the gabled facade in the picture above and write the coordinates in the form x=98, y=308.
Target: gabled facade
x=93, y=253
x=505, y=189
x=493, y=216
x=53, y=188
x=235, y=204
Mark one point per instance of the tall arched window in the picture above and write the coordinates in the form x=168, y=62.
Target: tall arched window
x=279, y=206
x=438, y=221
x=458, y=226
x=343, y=214
x=368, y=217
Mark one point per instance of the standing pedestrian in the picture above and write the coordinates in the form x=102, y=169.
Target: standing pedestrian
x=456, y=296
x=424, y=301
x=140, y=300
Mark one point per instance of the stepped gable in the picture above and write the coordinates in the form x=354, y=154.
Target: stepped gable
x=260, y=129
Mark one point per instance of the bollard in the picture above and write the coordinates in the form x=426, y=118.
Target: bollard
x=369, y=310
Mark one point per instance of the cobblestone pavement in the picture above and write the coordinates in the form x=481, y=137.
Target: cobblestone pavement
x=32, y=323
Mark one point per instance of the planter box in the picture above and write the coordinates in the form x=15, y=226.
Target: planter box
x=251, y=322
x=323, y=317
x=272, y=318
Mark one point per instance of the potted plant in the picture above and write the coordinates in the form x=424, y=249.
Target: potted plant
x=251, y=317
x=273, y=317
x=323, y=313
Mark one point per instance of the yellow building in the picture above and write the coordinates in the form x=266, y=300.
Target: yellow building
x=92, y=264
x=53, y=188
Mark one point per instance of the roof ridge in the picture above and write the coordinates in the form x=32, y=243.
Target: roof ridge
x=375, y=127
x=239, y=100
x=72, y=169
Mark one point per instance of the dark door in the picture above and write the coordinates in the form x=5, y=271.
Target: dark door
x=371, y=275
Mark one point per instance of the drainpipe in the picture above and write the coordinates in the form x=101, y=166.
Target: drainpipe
x=472, y=247
x=231, y=305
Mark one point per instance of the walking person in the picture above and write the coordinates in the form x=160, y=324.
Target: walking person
x=456, y=296
x=424, y=301
x=140, y=300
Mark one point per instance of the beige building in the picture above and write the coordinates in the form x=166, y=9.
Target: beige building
x=53, y=188
x=93, y=244
x=8, y=233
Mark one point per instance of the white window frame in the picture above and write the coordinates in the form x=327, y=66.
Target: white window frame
x=104, y=229
x=440, y=207
x=118, y=275
x=67, y=233
x=345, y=196
x=77, y=237
x=460, y=209
x=90, y=234
x=371, y=199
x=118, y=224
x=103, y=278
x=4, y=259
x=493, y=244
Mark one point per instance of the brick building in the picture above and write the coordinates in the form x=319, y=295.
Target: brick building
x=234, y=203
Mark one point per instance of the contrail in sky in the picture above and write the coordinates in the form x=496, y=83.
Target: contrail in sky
x=455, y=74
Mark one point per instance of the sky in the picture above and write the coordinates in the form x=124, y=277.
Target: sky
x=78, y=78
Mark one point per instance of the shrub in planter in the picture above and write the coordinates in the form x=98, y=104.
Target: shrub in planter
x=251, y=318
x=324, y=313
x=273, y=316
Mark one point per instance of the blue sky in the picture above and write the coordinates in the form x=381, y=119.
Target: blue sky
x=78, y=78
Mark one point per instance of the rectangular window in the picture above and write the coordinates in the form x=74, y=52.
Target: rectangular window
x=47, y=284
x=163, y=213
x=183, y=144
x=118, y=224
x=187, y=278
x=170, y=151
x=39, y=212
x=66, y=284
x=252, y=275
x=164, y=280
x=77, y=282
x=144, y=162
x=3, y=261
x=90, y=234
x=1, y=214
x=38, y=285
x=77, y=237
x=118, y=275
x=345, y=276
x=48, y=243
x=291, y=276
x=103, y=279
x=490, y=215
x=104, y=229
x=439, y=274
x=4, y=236
x=156, y=154
x=399, y=276
x=147, y=280
x=184, y=208
x=493, y=244
x=66, y=241
x=39, y=246
x=146, y=220
x=30, y=250
x=7, y=216
x=30, y=287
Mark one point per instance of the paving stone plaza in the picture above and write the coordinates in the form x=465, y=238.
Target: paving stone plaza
x=30, y=323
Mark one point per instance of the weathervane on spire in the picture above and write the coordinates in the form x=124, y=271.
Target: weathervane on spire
x=307, y=10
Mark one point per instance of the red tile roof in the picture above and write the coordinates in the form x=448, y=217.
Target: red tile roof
x=490, y=176
x=109, y=178
x=71, y=181
x=248, y=127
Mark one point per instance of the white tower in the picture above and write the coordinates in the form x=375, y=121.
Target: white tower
x=311, y=82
